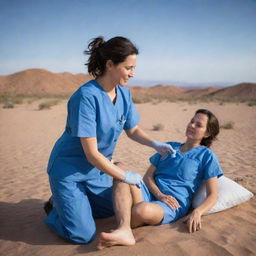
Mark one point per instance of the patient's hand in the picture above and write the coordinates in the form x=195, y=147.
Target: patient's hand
x=193, y=221
x=169, y=200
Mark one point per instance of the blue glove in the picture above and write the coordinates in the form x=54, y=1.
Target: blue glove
x=172, y=155
x=133, y=178
x=164, y=148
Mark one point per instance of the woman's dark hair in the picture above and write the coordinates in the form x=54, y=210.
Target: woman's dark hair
x=212, y=129
x=115, y=49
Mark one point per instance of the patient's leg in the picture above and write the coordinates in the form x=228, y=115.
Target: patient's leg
x=143, y=213
x=146, y=213
x=130, y=212
x=123, y=198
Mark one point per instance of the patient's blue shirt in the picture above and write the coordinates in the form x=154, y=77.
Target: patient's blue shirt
x=181, y=176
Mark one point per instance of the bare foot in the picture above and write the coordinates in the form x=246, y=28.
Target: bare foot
x=117, y=237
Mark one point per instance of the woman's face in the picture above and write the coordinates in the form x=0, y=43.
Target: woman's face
x=122, y=72
x=197, y=127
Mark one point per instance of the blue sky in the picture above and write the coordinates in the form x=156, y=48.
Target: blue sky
x=182, y=42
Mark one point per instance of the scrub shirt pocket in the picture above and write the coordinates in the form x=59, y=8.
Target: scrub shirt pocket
x=120, y=125
x=189, y=169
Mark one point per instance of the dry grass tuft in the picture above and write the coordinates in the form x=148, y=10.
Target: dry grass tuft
x=8, y=104
x=158, y=127
x=252, y=103
x=48, y=104
x=228, y=125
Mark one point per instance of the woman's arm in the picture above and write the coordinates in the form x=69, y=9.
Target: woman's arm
x=98, y=160
x=138, y=135
x=194, y=219
x=150, y=182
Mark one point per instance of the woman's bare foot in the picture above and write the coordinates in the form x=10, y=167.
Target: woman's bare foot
x=122, y=236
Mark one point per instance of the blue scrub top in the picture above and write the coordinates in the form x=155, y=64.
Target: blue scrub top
x=91, y=113
x=181, y=176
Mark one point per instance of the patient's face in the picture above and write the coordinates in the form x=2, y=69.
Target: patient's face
x=197, y=127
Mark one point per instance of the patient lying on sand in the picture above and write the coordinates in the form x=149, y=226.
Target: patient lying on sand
x=170, y=183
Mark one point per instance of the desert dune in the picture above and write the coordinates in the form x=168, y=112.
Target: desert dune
x=27, y=136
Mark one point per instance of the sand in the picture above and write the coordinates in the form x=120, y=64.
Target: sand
x=27, y=136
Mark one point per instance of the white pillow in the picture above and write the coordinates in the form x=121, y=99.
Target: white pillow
x=230, y=194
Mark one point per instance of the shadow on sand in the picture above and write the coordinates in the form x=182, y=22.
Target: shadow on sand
x=24, y=221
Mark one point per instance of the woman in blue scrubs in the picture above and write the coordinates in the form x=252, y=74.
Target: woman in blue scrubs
x=170, y=183
x=80, y=168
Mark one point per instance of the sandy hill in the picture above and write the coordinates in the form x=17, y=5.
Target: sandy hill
x=43, y=82
x=200, y=92
x=40, y=82
x=156, y=92
x=243, y=91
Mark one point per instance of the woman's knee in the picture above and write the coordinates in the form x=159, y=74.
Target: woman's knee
x=147, y=212
x=142, y=210
x=78, y=231
x=81, y=236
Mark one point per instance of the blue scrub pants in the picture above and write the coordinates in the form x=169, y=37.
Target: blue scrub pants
x=77, y=203
x=170, y=215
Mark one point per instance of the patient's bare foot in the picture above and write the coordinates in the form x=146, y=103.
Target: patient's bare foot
x=122, y=236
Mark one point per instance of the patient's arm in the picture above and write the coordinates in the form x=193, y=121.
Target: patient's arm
x=194, y=219
x=150, y=182
x=212, y=194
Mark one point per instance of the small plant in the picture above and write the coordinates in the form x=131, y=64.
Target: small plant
x=17, y=99
x=140, y=100
x=8, y=104
x=229, y=125
x=158, y=127
x=252, y=103
x=156, y=101
x=47, y=104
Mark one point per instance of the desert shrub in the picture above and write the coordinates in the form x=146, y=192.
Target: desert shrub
x=192, y=102
x=139, y=100
x=8, y=104
x=228, y=125
x=205, y=99
x=171, y=99
x=15, y=99
x=47, y=104
x=18, y=99
x=252, y=103
x=158, y=127
x=7, y=101
x=157, y=101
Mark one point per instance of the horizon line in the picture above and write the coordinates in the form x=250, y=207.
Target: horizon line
x=151, y=82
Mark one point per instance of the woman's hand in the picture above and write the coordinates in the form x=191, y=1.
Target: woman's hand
x=193, y=221
x=163, y=148
x=169, y=200
x=133, y=178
